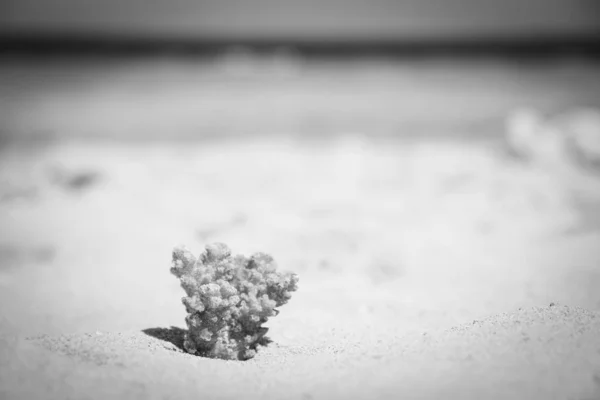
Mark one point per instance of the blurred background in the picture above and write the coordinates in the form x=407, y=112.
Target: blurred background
x=188, y=68
x=414, y=161
x=317, y=21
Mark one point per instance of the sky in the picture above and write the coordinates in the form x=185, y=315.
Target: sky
x=306, y=19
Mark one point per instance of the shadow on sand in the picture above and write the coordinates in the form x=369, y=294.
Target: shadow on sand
x=176, y=335
x=172, y=335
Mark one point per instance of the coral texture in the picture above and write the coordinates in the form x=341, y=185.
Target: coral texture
x=228, y=299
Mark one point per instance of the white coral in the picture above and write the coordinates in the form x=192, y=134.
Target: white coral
x=228, y=299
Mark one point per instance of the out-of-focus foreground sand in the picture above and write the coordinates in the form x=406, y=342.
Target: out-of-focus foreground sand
x=434, y=261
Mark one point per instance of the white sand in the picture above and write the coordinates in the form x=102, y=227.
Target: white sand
x=418, y=239
x=539, y=353
x=426, y=267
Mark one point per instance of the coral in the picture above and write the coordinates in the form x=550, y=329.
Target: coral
x=228, y=298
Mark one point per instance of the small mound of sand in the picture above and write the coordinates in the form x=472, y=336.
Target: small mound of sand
x=103, y=348
x=537, y=353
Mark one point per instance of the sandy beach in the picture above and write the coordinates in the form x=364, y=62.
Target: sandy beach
x=431, y=266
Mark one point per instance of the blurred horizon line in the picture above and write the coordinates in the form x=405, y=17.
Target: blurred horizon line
x=119, y=44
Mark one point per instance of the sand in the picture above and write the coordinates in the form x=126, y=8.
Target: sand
x=424, y=296
x=548, y=352
x=430, y=267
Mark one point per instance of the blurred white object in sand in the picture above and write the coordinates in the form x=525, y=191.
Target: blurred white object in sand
x=555, y=139
x=565, y=147
x=521, y=129
x=583, y=129
x=535, y=139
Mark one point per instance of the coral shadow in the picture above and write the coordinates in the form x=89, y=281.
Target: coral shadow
x=265, y=341
x=175, y=336
x=172, y=335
